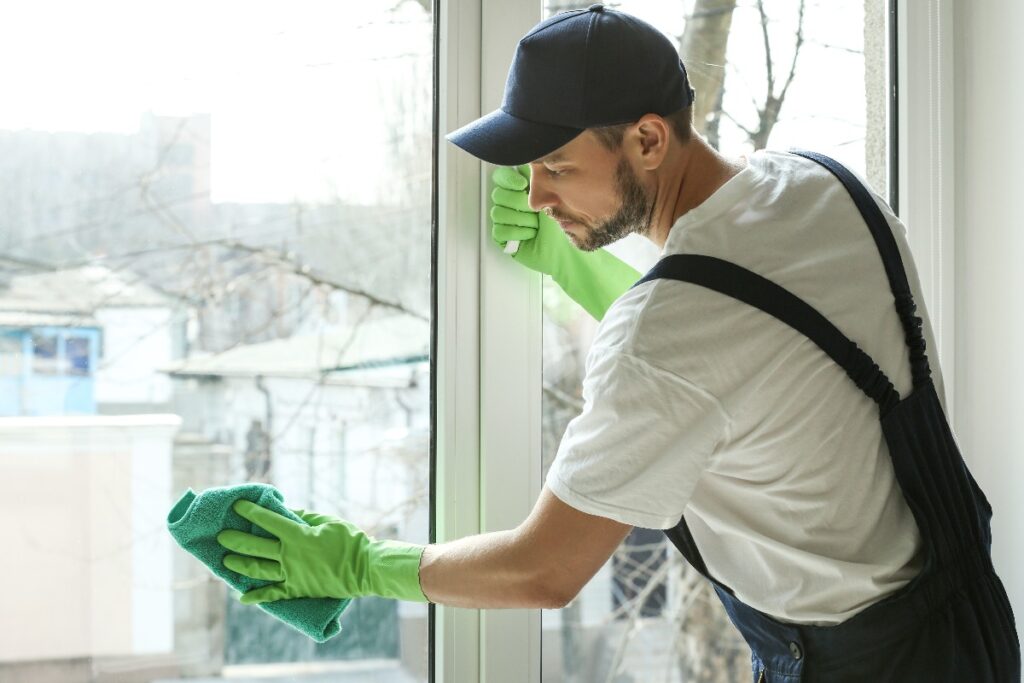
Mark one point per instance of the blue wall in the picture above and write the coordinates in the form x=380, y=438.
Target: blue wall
x=48, y=370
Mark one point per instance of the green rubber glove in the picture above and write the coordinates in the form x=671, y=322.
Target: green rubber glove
x=330, y=558
x=593, y=279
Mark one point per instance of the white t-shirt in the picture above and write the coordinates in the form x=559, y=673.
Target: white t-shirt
x=697, y=403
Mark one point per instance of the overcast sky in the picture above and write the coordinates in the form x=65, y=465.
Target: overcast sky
x=294, y=88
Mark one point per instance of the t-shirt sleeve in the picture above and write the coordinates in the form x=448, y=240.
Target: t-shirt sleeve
x=643, y=439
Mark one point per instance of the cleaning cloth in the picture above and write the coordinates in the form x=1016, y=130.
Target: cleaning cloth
x=196, y=519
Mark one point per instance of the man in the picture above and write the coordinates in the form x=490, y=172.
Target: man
x=835, y=519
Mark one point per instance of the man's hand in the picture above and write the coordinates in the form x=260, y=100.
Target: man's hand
x=542, y=242
x=325, y=558
x=593, y=279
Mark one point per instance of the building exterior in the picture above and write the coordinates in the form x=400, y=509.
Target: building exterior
x=47, y=365
x=83, y=428
x=84, y=341
x=89, y=590
x=210, y=361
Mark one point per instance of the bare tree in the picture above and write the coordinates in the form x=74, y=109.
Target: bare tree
x=768, y=110
x=702, y=48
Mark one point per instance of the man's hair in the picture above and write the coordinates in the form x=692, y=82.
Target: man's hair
x=611, y=136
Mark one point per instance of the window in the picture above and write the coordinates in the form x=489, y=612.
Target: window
x=646, y=614
x=45, y=357
x=237, y=200
x=77, y=352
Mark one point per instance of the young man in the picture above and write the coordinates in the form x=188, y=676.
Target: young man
x=725, y=400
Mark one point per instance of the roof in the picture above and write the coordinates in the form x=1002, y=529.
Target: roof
x=23, y=320
x=382, y=343
x=76, y=292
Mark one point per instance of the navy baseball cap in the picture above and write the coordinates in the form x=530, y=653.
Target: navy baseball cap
x=576, y=70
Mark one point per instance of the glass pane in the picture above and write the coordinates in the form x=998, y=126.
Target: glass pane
x=237, y=198
x=646, y=615
x=77, y=352
x=45, y=360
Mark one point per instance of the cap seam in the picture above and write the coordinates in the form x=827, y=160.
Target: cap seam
x=559, y=16
x=586, y=66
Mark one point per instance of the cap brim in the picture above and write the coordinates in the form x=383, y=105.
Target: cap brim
x=505, y=140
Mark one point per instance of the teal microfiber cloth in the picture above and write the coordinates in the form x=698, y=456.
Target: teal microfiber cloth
x=194, y=522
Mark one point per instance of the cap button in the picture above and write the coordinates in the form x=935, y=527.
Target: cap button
x=596, y=7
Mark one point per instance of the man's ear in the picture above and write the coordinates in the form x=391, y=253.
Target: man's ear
x=648, y=141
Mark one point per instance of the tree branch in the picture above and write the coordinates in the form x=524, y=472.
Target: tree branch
x=278, y=257
x=308, y=273
x=830, y=46
x=768, y=46
x=796, y=51
x=739, y=125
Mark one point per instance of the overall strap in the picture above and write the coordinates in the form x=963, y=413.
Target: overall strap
x=759, y=292
x=890, y=253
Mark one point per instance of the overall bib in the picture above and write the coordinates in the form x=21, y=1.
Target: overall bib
x=953, y=622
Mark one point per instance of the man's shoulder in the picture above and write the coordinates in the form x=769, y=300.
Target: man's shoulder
x=658, y=317
x=619, y=327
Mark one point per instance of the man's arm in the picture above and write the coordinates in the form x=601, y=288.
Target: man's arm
x=593, y=279
x=543, y=563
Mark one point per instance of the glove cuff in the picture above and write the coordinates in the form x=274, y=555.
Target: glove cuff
x=395, y=570
x=595, y=279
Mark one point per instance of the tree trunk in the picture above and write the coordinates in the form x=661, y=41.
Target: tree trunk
x=702, y=49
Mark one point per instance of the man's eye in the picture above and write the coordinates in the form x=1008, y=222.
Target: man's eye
x=553, y=172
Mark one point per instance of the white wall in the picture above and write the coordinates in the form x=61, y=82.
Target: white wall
x=135, y=341
x=989, y=57
x=83, y=520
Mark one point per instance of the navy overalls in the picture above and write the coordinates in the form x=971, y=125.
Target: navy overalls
x=952, y=622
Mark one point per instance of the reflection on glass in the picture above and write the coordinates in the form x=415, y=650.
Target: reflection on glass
x=44, y=355
x=216, y=251
x=77, y=352
x=646, y=615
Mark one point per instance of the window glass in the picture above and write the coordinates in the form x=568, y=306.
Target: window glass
x=45, y=357
x=237, y=197
x=647, y=616
x=77, y=353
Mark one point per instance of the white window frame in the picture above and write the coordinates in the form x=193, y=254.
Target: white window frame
x=926, y=176
x=457, y=350
x=489, y=349
x=488, y=361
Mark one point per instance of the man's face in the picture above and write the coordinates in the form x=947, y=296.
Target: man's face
x=592, y=192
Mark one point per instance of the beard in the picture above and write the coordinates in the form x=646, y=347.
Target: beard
x=633, y=216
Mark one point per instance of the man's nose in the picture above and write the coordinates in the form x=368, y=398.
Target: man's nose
x=540, y=197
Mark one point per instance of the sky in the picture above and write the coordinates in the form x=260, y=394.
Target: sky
x=294, y=89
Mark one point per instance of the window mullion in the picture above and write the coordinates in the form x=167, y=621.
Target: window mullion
x=926, y=174
x=510, y=372
x=456, y=509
